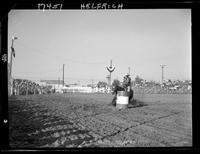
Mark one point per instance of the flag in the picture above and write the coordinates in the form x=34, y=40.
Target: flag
x=13, y=51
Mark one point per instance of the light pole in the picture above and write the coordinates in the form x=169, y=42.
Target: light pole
x=12, y=54
x=162, y=66
x=63, y=75
x=129, y=71
x=110, y=70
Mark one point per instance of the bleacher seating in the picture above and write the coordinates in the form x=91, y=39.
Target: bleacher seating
x=27, y=87
x=178, y=87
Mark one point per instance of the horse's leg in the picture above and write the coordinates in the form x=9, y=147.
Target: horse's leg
x=131, y=96
x=114, y=100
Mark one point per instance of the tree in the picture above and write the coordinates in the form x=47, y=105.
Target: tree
x=138, y=80
x=151, y=83
x=116, y=83
x=101, y=84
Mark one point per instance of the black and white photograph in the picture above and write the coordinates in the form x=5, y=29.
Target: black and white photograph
x=99, y=78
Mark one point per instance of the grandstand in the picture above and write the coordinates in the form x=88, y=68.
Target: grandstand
x=169, y=87
x=28, y=87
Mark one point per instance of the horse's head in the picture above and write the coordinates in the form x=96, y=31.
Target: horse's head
x=116, y=88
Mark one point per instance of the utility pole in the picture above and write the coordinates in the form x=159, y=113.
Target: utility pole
x=63, y=74
x=108, y=79
x=129, y=72
x=162, y=66
x=12, y=54
x=92, y=85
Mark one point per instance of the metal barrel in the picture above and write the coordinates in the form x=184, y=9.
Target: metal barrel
x=122, y=93
x=122, y=99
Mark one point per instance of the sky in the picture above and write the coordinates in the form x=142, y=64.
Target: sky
x=86, y=40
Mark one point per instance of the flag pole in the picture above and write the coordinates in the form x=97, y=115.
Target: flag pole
x=11, y=54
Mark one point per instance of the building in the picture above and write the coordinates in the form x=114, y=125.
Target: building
x=80, y=89
x=53, y=84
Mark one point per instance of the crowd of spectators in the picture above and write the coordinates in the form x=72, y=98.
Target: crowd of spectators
x=168, y=87
x=27, y=87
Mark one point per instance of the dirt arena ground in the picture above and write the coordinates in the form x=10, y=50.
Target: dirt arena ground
x=88, y=120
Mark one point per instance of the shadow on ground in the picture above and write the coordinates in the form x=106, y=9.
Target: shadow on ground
x=136, y=103
x=133, y=104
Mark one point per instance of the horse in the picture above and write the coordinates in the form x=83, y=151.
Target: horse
x=119, y=88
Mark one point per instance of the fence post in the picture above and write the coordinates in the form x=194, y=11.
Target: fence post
x=18, y=90
x=27, y=88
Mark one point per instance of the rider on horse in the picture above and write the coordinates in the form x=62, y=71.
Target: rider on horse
x=126, y=86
